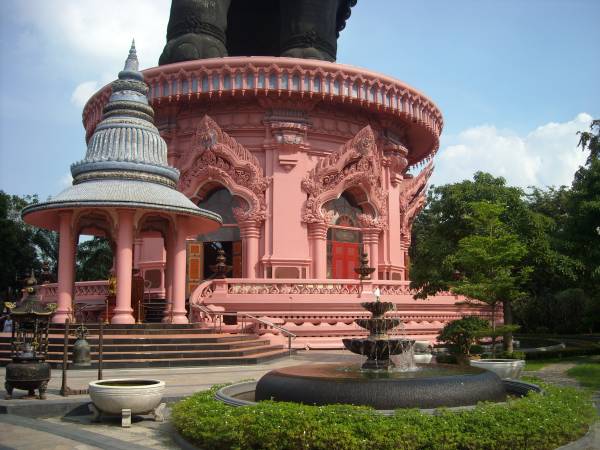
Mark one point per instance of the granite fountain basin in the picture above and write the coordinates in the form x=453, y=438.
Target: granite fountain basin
x=429, y=386
x=127, y=397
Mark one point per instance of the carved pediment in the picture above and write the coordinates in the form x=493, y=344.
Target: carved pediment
x=216, y=156
x=413, y=198
x=357, y=163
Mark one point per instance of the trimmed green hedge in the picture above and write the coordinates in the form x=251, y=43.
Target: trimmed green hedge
x=534, y=422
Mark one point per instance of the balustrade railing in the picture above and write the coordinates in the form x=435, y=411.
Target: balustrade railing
x=281, y=77
x=84, y=290
x=244, y=319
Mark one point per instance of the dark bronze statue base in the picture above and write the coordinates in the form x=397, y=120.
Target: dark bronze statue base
x=28, y=376
x=200, y=29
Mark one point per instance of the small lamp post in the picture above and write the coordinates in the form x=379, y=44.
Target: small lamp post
x=363, y=270
x=29, y=344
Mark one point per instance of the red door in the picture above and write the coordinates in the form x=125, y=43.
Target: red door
x=344, y=259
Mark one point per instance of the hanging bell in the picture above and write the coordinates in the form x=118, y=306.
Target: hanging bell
x=81, y=349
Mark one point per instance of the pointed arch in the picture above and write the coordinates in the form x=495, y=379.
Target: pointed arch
x=217, y=157
x=356, y=166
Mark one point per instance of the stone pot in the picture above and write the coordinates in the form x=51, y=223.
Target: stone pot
x=504, y=368
x=127, y=397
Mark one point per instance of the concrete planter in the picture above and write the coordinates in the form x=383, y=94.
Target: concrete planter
x=127, y=397
x=423, y=358
x=504, y=368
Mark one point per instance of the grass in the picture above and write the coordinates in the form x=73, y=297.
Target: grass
x=537, y=364
x=588, y=374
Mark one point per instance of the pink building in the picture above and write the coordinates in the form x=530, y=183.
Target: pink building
x=307, y=162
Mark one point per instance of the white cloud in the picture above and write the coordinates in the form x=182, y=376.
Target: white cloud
x=97, y=34
x=546, y=156
x=66, y=180
x=83, y=92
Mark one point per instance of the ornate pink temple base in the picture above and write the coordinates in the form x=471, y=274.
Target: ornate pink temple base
x=308, y=163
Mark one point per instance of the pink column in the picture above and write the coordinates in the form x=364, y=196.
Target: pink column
x=124, y=266
x=178, y=313
x=170, y=250
x=371, y=240
x=250, y=234
x=317, y=234
x=66, y=266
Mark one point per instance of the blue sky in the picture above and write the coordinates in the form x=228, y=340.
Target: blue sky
x=515, y=79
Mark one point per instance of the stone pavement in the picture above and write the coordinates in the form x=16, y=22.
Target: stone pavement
x=79, y=432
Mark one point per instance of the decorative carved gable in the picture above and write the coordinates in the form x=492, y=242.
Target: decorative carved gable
x=413, y=199
x=216, y=156
x=357, y=163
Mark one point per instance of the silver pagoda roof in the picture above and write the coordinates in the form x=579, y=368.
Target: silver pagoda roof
x=125, y=164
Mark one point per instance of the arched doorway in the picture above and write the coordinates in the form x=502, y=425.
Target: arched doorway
x=344, y=237
x=202, y=252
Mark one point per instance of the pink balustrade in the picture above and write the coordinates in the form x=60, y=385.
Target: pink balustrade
x=238, y=77
x=320, y=312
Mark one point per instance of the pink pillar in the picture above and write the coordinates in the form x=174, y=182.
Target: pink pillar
x=317, y=234
x=124, y=266
x=179, y=313
x=170, y=250
x=371, y=240
x=66, y=266
x=250, y=234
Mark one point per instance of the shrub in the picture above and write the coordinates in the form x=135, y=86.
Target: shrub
x=463, y=332
x=533, y=422
x=505, y=355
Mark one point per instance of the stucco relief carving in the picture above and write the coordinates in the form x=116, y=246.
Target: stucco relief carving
x=216, y=156
x=412, y=200
x=356, y=164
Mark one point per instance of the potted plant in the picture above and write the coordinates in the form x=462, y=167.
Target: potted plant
x=506, y=364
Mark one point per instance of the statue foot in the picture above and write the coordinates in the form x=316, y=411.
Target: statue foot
x=192, y=46
x=307, y=53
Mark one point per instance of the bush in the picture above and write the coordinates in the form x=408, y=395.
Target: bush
x=505, y=355
x=534, y=422
x=463, y=332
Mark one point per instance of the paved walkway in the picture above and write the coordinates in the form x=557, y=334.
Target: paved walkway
x=557, y=374
x=79, y=432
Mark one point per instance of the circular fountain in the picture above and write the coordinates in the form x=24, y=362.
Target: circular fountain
x=379, y=382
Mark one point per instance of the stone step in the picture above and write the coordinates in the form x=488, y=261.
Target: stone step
x=182, y=362
x=150, y=331
x=141, y=326
x=56, y=357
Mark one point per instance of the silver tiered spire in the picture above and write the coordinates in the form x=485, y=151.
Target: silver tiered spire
x=126, y=160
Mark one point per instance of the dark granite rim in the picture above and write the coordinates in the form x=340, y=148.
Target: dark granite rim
x=513, y=387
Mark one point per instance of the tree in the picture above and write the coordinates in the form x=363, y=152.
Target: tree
x=443, y=223
x=490, y=263
x=94, y=259
x=19, y=254
x=582, y=227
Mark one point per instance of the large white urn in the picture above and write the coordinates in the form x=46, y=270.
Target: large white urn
x=504, y=368
x=127, y=397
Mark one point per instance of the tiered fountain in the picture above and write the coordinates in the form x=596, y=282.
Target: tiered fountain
x=378, y=346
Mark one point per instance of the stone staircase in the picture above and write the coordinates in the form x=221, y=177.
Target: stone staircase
x=154, y=310
x=160, y=345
